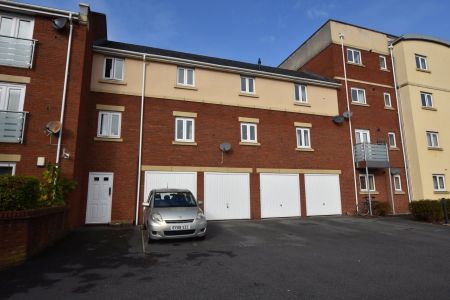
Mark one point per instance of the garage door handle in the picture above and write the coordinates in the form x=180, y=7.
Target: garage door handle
x=228, y=206
x=110, y=191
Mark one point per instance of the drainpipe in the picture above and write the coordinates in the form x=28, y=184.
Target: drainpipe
x=390, y=181
x=63, y=101
x=141, y=125
x=341, y=37
x=400, y=122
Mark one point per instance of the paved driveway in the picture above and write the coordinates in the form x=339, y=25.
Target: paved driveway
x=330, y=257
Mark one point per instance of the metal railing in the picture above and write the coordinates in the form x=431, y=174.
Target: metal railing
x=12, y=126
x=371, y=155
x=16, y=52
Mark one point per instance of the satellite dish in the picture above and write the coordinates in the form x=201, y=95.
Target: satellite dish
x=53, y=127
x=338, y=119
x=347, y=114
x=59, y=23
x=225, y=147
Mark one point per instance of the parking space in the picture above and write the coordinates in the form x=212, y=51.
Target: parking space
x=321, y=257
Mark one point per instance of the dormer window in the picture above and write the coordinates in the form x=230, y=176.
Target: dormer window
x=113, y=68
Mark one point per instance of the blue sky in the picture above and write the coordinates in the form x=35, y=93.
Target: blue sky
x=247, y=29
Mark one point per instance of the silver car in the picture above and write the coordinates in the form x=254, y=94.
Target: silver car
x=173, y=213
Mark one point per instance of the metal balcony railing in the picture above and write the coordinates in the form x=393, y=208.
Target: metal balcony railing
x=371, y=155
x=12, y=126
x=16, y=52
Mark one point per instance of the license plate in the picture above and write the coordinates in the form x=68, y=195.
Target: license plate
x=180, y=227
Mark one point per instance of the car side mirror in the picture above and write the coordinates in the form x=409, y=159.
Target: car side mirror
x=147, y=204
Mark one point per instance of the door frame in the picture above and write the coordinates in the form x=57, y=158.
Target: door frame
x=87, y=196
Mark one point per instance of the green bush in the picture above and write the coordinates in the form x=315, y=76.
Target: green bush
x=54, y=188
x=18, y=192
x=427, y=210
x=381, y=208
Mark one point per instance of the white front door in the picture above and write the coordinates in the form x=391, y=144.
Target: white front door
x=323, y=194
x=280, y=195
x=227, y=196
x=362, y=136
x=99, y=202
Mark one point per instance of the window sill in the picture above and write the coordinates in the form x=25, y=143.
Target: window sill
x=186, y=87
x=436, y=148
x=422, y=70
x=304, y=149
x=394, y=148
x=360, y=104
x=385, y=70
x=429, y=108
x=248, y=95
x=184, y=143
x=399, y=192
x=367, y=193
x=441, y=192
x=249, y=144
x=389, y=108
x=113, y=81
x=107, y=139
x=355, y=64
x=302, y=104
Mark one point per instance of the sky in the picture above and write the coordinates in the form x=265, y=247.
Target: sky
x=246, y=30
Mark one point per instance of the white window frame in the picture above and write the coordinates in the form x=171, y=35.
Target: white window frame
x=247, y=125
x=388, y=95
x=184, y=138
x=302, y=130
x=428, y=97
x=364, y=100
x=421, y=62
x=397, y=188
x=298, y=91
x=247, y=84
x=353, y=51
x=185, y=77
x=382, y=58
x=113, y=71
x=9, y=164
x=432, y=134
x=363, y=176
x=109, y=115
x=439, y=188
x=15, y=24
x=360, y=133
x=392, y=145
x=4, y=92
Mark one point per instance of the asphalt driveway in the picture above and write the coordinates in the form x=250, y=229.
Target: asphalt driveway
x=329, y=257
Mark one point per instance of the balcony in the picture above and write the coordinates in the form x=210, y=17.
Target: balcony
x=16, y=52
x=12, y=126
x=371, y=155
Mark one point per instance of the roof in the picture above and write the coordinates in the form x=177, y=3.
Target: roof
x=211, y=60
x=422, y=37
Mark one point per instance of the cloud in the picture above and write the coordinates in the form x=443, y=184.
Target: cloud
x=267, y=39
x=317, y=13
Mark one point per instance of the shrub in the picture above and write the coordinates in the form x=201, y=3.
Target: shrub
x=427, y=210
x=54, y=188
x=381, y=208
x=18, y=192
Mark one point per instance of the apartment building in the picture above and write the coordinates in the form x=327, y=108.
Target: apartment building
x=422, y=67
x=360, y=59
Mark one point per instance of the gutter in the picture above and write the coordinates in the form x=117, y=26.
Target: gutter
x=36, y=9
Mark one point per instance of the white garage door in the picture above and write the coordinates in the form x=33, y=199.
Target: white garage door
x=227, y=196
x=175, y=180
x=280, y=195
x=323, y=194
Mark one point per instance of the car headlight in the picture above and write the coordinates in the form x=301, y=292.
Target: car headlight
x=156, y=217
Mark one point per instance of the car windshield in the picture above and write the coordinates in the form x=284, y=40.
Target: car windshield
x=174, y=199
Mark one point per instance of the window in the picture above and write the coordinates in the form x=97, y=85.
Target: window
x=432, y=139
x=439, y=182
x=397, y=183
x=392, y=140
x=248, y=133
x=421, y=62
x=184, y=130
x=109, y=124
x=354, y=56
x=17, y=27
x=11, y=97
x=383, y=65
x=113, y=68
x=363, y=183
x=300, y=93
x=303, y=137
x=185, y=76
x=7, y=168
x=358, y=95
x=387, y=100
x=362, y=136
x=247, y=85
x=427, y=99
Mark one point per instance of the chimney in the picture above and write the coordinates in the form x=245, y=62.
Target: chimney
x=84, y=12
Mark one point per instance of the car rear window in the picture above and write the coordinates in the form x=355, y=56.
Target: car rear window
x=179, y=199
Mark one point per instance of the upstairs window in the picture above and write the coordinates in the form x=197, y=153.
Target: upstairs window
x=113, y=68
x=387, y=100
x=354, y=56
x=247, y=85
x=184, y=130
x=17, y=27
x=12, y=97
x=358, y=96
x=421, y=62
x=383, y=64
x=433, y=139
x=303, y=137
x=185, y=76
x=300, y=93
x=426, y=99
x=248, y=133
x=392, y=140
x=439, y=182
x=109, y=124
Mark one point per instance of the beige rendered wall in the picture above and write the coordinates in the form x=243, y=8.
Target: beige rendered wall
x=212, y=86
